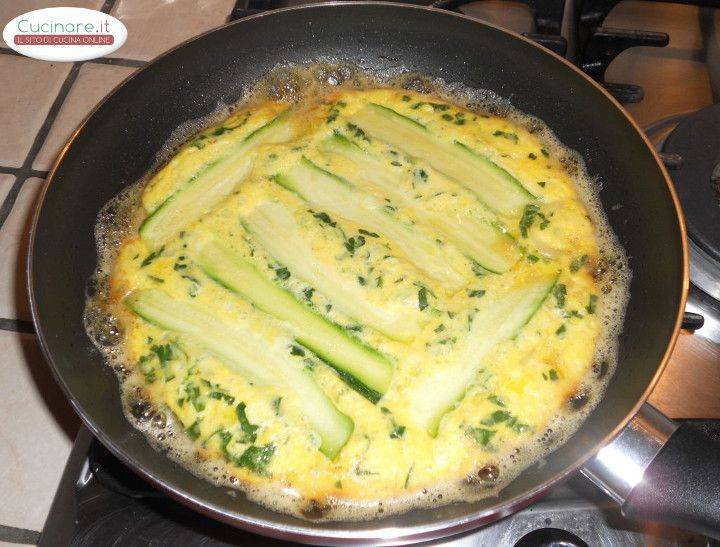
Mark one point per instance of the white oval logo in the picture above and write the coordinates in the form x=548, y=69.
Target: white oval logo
x=64, y=34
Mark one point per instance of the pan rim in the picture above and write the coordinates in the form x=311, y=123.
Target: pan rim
x=382, y=534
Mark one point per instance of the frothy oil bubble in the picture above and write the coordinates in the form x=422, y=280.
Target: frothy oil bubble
x=120, y=217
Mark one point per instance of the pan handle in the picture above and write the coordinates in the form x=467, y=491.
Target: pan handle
x=661, y=471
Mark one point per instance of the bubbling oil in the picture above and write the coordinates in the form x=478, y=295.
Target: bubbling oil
x=297, y=84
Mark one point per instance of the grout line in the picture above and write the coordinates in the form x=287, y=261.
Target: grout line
x=40, y=137
x=117, y=61
x=16, y=325
x=22, y=172
x=9, y=201
x=21, y=536
x=52, y=113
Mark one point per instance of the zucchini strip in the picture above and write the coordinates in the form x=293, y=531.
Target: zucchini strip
x=211, y=184
x=275, y=228
x=249, y=355
x=364, y=368
x=493, y=185
x=475, y=237
x=502, y=319
x=336, y=195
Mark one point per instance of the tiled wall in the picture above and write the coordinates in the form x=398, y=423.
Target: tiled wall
x=41, y=103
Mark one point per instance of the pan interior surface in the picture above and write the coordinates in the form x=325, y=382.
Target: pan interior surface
x=119, y=143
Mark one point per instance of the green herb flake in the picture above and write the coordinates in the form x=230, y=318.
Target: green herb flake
x=552, y=374
x=476, y=293
x=541, y=183
x=194, y=430
x=149, y=259
x=480, y=435
x=507, y=135
x=367, y=233
x=338, y=484
x=528, y=218
x=249, y=430
x=532, y=156
x=324, y=218
x=560, y=294
x=439, y=328
x=422, y=298
x=407, y=477
x=276, y=405
x=592, y=304
x=222, y=395
x=545, y=152
x=578, y=263
x=496, y=400
x=257, y=458
x=282, y=273
x=297, y=350
x=156, y=279
x=354, y=243
x=561, y=330
x=398, y=431
x=405, y=99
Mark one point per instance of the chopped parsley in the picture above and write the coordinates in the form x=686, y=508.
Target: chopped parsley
x=529, y=215
x=149, y=259
x=480, y=435
x=422, y=298
x=592, y=304
x=476, y=293
x=194, y=430
x=496, y=400
x=532, y=156
x=249, y=430
x=354, y=243
x=366, y=233
x=324, y=218
x=561, y=330
x=560, y=294
x=506, y=135
x=256, y=458
x=282, y=273
x=578, y=263
x=552, y=374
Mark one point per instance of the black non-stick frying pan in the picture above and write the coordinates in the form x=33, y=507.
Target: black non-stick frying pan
x=118, y=143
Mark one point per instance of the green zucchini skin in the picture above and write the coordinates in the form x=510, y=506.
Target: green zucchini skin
x=362, y=367
x=332, y=193
x=250, y=356
x=499, y=320
x=273, y=219
x=478, y=238
x=211, y=184
x=494, y=186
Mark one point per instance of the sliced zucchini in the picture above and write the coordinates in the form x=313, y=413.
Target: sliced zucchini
x=211, y=184
x=275, y=227
x=366, y=369
x=493, y=185
x=251, y=356
x=476, y=237
x=499, y=320
x=339, y=197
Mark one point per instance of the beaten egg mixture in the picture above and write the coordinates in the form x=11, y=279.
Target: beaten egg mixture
x=363, y=212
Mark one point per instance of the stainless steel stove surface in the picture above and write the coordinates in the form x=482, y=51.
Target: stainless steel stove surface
x=675, y=73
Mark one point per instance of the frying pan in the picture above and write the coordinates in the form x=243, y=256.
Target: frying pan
x=118, y=143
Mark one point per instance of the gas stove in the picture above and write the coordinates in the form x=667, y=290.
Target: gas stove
x=632, y=49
